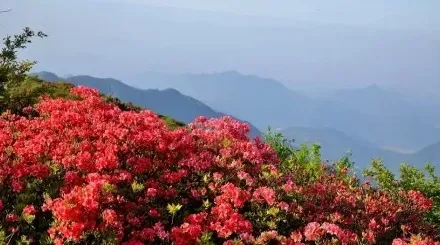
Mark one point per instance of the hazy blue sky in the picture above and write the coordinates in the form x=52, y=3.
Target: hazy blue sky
x=117, y=38
x=404, y=14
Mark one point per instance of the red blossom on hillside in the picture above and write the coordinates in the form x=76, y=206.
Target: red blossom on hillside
x=83, y=169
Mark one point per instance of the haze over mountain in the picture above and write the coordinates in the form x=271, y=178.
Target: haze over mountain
x=334, y=144
x=168, y=102
x=301, y=53
x=248, y=96
x=378, y=63
x=382, y=117
x=395, y=112
x=430, y=153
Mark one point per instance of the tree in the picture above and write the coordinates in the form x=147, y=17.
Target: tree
x=13, y=70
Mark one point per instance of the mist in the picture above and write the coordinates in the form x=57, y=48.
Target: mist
x=322, y=51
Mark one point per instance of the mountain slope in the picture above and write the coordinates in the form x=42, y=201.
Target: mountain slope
x=373, y=100
x=336, y=144
x=391, y=116
x=384, y=118
x=169, y=102
x=265, y=102
x=285, y=50
x=430, y=154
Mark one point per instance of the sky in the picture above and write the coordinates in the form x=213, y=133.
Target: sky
x=395, y=14
x=388, y=42
x=401, y=14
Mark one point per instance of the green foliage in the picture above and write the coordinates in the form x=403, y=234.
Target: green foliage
x=308, y=161
x=123, y=106
x=174, y=208
x=137, y=187
x=20, y=95
x=13, y=70
x=171, y=123
x=411, y=178
x=307, y=164
x=381, y=175
x=2, y=236
x=344, y=163
x=206, y=239
x=305, y=161
x=281, y=145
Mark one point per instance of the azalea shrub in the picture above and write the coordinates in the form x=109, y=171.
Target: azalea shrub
x=410, y=178
x=83, y=171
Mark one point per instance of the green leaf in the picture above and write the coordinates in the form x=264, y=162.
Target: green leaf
x=173, y=208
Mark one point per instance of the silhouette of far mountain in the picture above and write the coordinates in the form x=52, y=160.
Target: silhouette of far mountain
x=174, y=40
x=168, y=102
x=265, y=102
x=336, y=144
x=382, y=117
x=373, y=100
x=391, y=116
x=430, y=153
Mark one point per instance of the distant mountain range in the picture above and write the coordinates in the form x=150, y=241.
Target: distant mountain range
x=261, y=101
x=379, y=116
x=266, y=101
x=302, y=54
x=430, y=153
x=168, y=102
x=335, y=144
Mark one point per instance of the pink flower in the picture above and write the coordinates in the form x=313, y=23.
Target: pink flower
x=154, y=213
x=284, y=206
x=109, y=216
x=313, y=231
x=296, y=236
x=11, y=218
x=399, y=242
x=331, y=229
x=264, y=193
x=151, y=192
x=29, y=210
x=118, y=171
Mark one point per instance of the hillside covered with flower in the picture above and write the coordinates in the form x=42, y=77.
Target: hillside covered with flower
x=77, y=167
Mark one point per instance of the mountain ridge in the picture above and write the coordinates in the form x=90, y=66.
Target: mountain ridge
x=169, y=102
x=334, y=144
x=334, y=141
x=371, y=112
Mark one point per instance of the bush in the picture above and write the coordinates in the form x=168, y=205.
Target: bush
x=411, y=178
x=83, y=171
x=28, y=92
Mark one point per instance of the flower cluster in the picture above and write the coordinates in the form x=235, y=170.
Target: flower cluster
x=83, y=171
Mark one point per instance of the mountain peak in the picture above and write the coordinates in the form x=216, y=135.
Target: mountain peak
x=373, y=86
x=171, y=91
x=47, y=76
x=231, y=73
